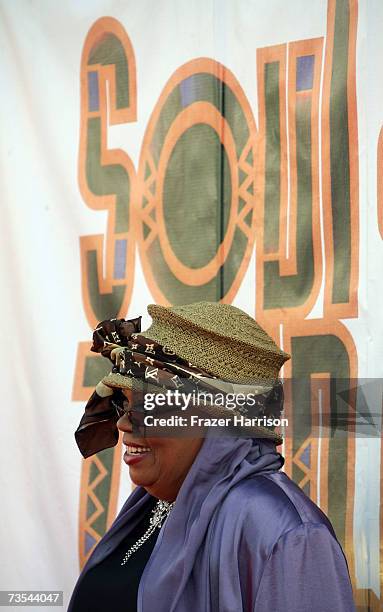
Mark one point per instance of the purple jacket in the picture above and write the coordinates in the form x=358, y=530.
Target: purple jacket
x=241, y=536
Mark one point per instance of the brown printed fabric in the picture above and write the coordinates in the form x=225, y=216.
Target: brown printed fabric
x=142, y=357
x=133, y=354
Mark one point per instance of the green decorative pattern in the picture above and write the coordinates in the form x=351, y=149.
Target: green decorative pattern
x=310, y=355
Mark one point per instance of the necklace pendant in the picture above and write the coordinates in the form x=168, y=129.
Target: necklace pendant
x=160, y=513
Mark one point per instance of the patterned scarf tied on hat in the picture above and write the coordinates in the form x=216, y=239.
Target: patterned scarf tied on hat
x=143, y=359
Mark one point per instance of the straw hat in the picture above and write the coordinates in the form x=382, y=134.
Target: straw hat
x=219, y=338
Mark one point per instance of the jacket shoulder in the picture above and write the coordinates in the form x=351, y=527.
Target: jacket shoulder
x=268, y=506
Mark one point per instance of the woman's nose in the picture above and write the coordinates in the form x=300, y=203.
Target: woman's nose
x=124, y=424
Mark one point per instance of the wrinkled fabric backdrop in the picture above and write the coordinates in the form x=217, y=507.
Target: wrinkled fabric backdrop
x=172, y=152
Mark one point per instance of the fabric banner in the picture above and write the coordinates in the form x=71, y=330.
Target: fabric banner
x=171, y=152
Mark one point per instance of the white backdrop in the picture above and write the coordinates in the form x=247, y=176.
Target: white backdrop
x=43, y=215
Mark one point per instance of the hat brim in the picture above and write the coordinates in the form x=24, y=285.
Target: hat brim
x=118, y=381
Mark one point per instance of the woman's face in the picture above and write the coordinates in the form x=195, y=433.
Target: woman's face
x=158, y=464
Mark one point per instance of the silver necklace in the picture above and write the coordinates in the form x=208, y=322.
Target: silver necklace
x=160, y=513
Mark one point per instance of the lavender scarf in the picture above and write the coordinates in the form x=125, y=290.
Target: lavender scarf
x=241, y=536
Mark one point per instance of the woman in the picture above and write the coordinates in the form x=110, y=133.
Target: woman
x=213, y=525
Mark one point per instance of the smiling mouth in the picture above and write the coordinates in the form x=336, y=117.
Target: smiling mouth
x=137, y=450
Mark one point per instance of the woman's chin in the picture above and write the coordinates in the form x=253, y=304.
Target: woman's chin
x=138, y=478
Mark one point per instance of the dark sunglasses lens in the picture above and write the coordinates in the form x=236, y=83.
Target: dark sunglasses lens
x=121, y=407
x=120, y=411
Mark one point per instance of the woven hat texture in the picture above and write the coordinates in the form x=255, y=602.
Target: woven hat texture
x=221, y=338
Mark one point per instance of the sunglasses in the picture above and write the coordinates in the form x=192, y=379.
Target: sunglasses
x=135, y=417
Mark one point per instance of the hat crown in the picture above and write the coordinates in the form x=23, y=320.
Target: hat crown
x=218, y=337
x=224, y=320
